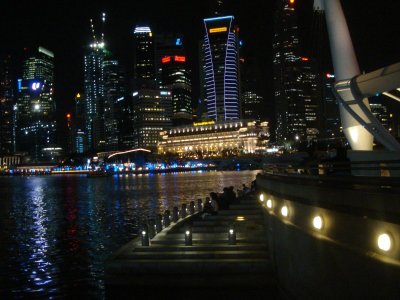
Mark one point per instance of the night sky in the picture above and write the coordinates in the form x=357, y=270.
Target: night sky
x=63, y=27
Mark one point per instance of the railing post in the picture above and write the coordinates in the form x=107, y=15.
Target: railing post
x=167, y=220
x=188, y=236
x=199, y=205
x=159, y=226
x=191, y=207
x=232, y=234
x=183, y=211
x=145, y=235
x=175, y=214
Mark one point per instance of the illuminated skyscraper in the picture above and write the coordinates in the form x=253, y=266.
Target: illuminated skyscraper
x=7, y=113
x=175, y=78
x=151, y=115
x=221, y=68
x=144, y=69
x=36, y=123
x=289, y=103
x=94, y=94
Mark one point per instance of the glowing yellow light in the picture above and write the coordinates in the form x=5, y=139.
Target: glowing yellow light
x=384, y=242
x=269, y=203
x=204, y=123
x=291, y=1
x=78, y=95
x=218, y=29
x=284, y=211
x=262, y=197
x=240, y=218
x=318, y=222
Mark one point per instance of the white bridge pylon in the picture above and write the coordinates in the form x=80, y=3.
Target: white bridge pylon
x=352, y=89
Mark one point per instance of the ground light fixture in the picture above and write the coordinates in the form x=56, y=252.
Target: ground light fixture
x=262, y=197
x=384, y=242
x=284, y=211
x=269, y=203
x=318, y=222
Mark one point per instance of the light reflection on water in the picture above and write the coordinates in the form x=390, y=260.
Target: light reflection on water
x=57, y=231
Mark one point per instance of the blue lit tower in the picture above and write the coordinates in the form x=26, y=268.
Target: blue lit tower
x=221, y=68
x=36, y=123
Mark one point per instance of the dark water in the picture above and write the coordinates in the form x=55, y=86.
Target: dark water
x=56, y=231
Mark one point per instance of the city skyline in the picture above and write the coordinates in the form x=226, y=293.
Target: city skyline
x=65, y=30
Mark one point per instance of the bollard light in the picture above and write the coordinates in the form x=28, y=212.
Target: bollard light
x=199, y=205
x=175, y=214
x=183, y=211
x=269, y=203
x=188, y=236
x=284, y=211
x=151, y=228
x=166, y=218
x=159, y=226
x=318, y=222
x=262, y=197
x=145, y=236
x=384, y=242
x=191, y=207
x=232, y=234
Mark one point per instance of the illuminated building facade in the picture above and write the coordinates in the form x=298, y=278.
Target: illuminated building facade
x=144, y=69
x=210, y=139
x=7, y=113
x=331, y=126
x=151, y=114
x=380, y=112
x=94, y=95
x=289, y=107
x=252, y=106
x=36, y=125
x=221, y=68
x=175, y=78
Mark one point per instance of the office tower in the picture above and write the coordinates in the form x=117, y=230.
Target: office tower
x=94, y=94
x=290, y=121
x=308, y=79
x=36, y=125
x=380, y=112
x=175, y=78
x=331, y=126
x=144, y=69
x=7, y=113
x=252, y=106
x=221, y=69
x=80, y=138
x=114, y=92
x=151, y=114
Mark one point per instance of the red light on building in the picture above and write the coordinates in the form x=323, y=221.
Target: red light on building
x=166, y=59
x=68, y=116
x=180, y=58
x=305, y=59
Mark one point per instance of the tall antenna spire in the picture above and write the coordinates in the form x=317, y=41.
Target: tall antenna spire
x=103, y=19
x=92, y=27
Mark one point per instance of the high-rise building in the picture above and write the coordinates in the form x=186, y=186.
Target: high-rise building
x=7, y=113
x=94, y=95
x=221, y=68
x=331, y=126
x=151, y=115
x=252, y=106
x=144, y=68
x=175, y=78
x=36, y=125
x=290, y=120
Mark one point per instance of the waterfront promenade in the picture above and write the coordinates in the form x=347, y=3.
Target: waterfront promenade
x=214, y=265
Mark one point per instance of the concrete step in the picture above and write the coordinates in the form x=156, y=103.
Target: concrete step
x=213, y=241
x=216, y=247
x=173, y=267
x=239, y=254
x=240, y=212
x=233, y=217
